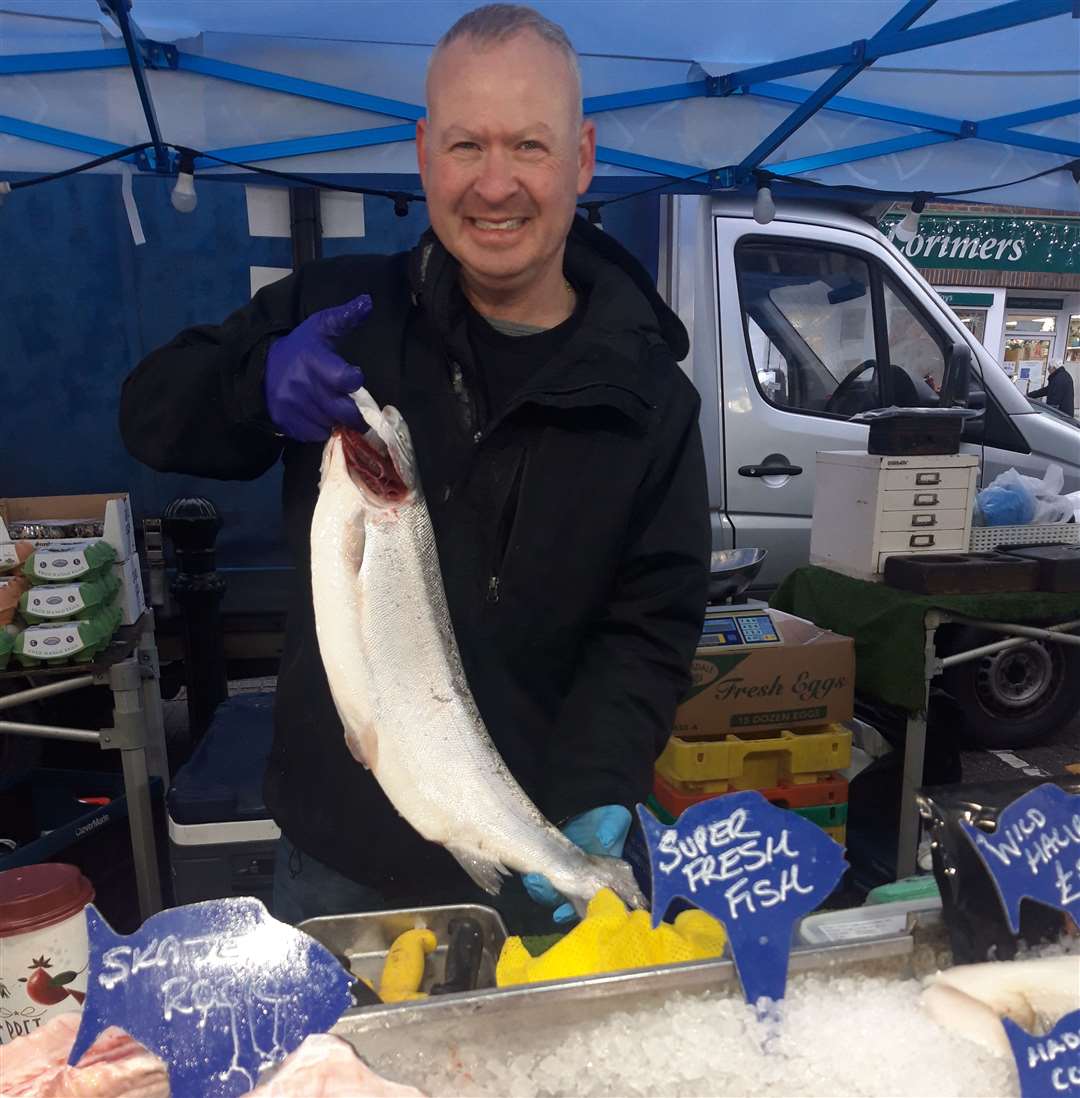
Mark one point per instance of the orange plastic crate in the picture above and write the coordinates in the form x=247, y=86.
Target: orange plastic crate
x=676, y=798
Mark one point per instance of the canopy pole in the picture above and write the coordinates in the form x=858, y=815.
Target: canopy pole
x=908, y=14
x=119, y=10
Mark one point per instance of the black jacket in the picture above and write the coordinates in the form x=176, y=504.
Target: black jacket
x=573, y=531
x=1058, y=392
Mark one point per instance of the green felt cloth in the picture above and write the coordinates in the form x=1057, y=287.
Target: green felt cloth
x=887, y=625
x=536, y=944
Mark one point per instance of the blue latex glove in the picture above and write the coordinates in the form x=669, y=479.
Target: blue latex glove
x=307, y=382
x=599, y=831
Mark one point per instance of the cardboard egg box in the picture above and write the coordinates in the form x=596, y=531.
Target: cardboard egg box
x=56, y=521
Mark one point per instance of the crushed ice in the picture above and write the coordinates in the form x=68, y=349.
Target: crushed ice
x=842, y=1035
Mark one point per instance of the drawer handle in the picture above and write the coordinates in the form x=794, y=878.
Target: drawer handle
x=921, y=541
x=924, y=520
x=927, y=478
x=926, y=499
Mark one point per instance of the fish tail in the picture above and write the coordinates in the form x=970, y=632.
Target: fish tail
x=617, y=875
x=101, y=937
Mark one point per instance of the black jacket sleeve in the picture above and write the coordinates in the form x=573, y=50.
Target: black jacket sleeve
x=196, y=405
x=635, y=665
x=1061, y=393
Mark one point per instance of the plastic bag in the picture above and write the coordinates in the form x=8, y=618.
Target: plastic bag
x=1007, y=501
x=1013, y=499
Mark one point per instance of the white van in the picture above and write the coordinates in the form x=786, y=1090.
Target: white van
x=788, y=324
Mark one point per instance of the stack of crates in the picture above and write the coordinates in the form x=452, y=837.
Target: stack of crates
x=798, y=770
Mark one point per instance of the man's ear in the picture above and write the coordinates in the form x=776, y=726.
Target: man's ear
x=586, y=155
x=421, y=145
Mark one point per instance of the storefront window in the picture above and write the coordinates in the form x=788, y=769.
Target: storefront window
x=1072, y=346
x=1029, y=324
x=974, y=320
x=1026, y=360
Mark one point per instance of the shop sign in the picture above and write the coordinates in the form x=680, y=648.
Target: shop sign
x=755, y=867
x=992, y=243
x=1036, y=304
x=969, y=301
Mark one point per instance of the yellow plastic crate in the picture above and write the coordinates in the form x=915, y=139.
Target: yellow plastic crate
x=756, y=760
x=839, y=833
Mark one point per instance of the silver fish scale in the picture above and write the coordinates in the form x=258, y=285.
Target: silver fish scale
x=397, y=680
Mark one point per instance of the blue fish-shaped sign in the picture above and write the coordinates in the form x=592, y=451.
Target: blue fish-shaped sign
x=755, y=867
x=1034, y=851
x=218, y=990
x=1047, y=1066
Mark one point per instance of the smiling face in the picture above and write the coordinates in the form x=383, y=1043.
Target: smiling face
x=503, y=156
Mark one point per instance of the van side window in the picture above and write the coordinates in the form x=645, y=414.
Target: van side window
x=914, y=348
x=816, y=318
x=810, y=330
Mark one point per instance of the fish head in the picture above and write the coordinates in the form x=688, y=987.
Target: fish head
x=381, y=462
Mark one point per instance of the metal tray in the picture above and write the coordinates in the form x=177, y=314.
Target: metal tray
x=397, y=1040
x=366, y=939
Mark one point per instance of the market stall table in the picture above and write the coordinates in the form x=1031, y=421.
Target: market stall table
x=129, y=667
x=895, y=655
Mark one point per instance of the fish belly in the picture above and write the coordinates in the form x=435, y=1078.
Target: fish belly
x=437, y=763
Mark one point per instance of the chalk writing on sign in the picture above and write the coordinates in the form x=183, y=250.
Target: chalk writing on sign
x=219, y=990
x=755, y=867
x=1034, y=851
x=1048, y=1065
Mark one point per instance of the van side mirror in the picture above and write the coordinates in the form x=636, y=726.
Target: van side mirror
x=957, y=380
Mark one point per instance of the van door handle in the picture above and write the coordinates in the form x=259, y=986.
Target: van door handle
x=770, y=470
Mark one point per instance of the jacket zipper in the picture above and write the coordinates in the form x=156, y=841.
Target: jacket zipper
x=505, y=529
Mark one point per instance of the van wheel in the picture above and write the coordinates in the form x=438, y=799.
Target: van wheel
x=1014, y=698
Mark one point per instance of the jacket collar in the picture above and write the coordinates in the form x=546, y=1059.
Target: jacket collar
x=609, y=359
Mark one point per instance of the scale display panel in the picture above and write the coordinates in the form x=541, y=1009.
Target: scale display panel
x=721, y=632
x=751, y=629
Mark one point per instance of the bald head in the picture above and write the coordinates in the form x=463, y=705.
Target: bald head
x=488, y=27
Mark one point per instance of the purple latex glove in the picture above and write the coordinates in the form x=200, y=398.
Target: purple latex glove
x=307, y=382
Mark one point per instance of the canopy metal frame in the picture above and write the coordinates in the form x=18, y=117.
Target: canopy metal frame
x=897, y=36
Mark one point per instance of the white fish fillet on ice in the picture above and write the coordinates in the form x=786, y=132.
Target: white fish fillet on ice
x=324, y=1066
x=972, y=999
x=396, y=675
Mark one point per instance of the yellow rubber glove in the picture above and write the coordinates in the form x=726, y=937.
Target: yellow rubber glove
x=611, y=939
x=403, y=971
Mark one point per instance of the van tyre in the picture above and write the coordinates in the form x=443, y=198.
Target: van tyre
x=1015, y=698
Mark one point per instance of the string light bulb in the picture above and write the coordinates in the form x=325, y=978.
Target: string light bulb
x=764, y=206
x=401, y=205
x=183, y=197
x=592, y=210
x=908, y=229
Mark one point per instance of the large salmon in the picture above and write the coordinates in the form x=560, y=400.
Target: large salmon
x=396, y=675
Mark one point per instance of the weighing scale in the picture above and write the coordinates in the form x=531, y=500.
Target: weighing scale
x=731, y=622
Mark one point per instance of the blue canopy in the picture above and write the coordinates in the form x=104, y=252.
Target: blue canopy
x=899, y=97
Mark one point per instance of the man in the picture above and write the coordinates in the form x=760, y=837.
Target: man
x=558, y=447
x=1058, y=390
